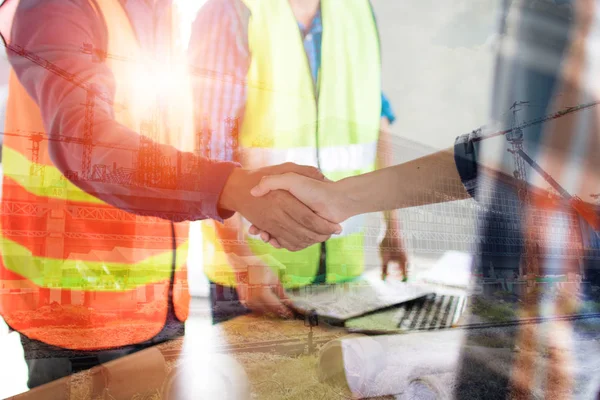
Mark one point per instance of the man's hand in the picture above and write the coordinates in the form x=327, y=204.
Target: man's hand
x=391, y=250
x=284, y=217
x=323, y=197
x=264, y=294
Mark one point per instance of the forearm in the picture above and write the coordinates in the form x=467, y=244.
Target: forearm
x=60, y=28
x=385, y=159
x=427, y=180
x=181, y=198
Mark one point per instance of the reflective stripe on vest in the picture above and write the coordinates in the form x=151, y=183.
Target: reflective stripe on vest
x=351, y=157
x=76, y=272
x=17, y=167
x=90, y=275
x=287, y=123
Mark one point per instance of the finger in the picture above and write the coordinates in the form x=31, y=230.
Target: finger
x=255, y=306
x=287, y=232
x=265, y=237
x=274, y=182
x=290, y=244
x=384, y=272
x=311, y=221
x=280, y=309
x=385, y=260
x=275, y=243
x=254, y=231
x=289, y=218
x=270, y=303
x=305, y=237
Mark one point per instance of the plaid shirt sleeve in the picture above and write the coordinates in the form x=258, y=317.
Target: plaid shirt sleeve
x=219, y=46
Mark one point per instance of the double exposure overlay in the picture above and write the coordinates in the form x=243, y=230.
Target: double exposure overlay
x=300, y=199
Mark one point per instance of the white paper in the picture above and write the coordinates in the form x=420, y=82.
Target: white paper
x=386, y=365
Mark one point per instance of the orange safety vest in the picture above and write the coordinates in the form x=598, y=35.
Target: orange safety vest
x=76, y=272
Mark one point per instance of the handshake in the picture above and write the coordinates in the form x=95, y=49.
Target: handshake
x=290, y=206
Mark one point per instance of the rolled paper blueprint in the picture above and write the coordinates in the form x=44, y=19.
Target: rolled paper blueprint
x=342, y=361
x=388, y=365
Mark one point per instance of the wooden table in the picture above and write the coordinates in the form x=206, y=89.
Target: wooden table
x=246, y=358
x=257, y=358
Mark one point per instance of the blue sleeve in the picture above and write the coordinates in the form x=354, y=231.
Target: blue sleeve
x=386, y=109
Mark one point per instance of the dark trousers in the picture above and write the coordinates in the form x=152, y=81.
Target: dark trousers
x=225, y=303
x=46, y=363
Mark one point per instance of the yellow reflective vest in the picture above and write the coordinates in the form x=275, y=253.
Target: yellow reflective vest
x=334, y=127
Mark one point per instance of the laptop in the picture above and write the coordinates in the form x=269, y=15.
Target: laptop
x=337, y=303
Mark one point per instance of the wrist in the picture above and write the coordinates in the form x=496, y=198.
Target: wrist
x=230, y=193
x=391, y=220
x=350, y=199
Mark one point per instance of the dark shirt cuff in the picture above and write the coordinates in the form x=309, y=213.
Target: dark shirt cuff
x=465, y=158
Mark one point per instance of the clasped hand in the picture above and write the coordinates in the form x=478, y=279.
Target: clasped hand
x=289, y=216
x=322, y=196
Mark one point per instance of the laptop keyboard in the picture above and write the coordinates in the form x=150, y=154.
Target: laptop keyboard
x=434, y=311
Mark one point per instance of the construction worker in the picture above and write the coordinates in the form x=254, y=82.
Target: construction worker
x=305, y=86
x=99, y=172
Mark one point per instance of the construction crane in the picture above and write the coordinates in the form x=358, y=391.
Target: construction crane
x=479, y=136
x=515, y=138
x=89, y=171
x=92, y=93
x=587, y=212
x=69, y=77
x=514, y=135
x=151, y=167
x=36, y=138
